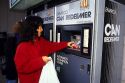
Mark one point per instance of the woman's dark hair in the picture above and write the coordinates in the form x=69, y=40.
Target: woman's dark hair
x=34, y=21
x=29, y=28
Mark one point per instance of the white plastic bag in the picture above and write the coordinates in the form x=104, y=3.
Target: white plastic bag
x=49, y=74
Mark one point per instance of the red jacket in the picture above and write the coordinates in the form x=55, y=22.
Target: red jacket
x=28, y=58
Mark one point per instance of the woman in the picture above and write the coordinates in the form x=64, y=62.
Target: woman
x=33, y=50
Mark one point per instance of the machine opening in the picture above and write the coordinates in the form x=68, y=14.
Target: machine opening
x=77, y=42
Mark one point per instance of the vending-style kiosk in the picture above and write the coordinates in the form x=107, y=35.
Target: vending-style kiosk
x=74, y=23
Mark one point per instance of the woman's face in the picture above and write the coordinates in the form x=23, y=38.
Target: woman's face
x=39, y=30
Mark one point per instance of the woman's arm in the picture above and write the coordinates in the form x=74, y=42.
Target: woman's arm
x=51, y=47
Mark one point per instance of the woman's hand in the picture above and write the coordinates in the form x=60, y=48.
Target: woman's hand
x=72, y=45
x=69, y=44
x=46, y=58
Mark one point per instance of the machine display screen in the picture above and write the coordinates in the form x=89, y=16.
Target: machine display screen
x=85, y=40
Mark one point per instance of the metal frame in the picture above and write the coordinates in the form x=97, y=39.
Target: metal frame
x=98, y=41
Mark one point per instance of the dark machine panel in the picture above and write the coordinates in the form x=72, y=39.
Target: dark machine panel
x=81, y=35
x=73, y=64
x=72, y=68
